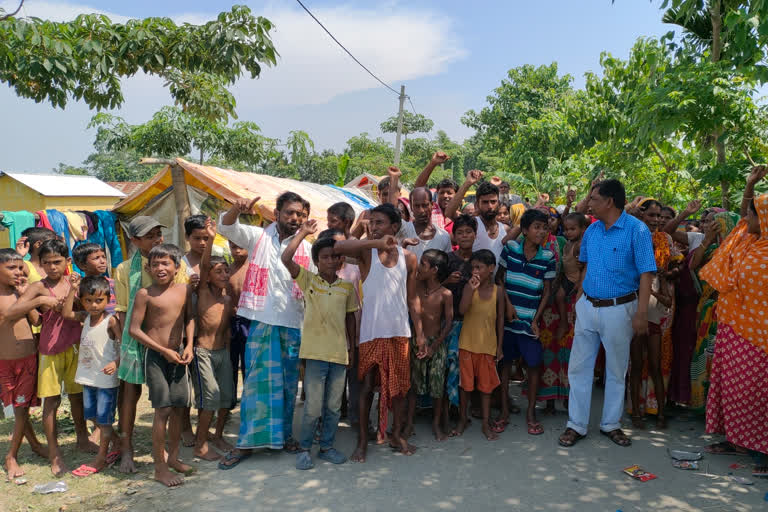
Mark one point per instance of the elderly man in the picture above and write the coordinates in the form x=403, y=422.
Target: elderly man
x=615, y=289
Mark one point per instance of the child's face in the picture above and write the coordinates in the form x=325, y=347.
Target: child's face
x=573, y=230
x=336, y=222
x=198, y=239
x=425, y=271
x=145, y=243
x=239, y=254
x=503, y=215
x=219, y=275
x=95, y=303
x=162, y=269
x=537, y=232
x=328, y=262
x=482, y=271
x=54, y=265
x=11, y=273
x=464, y=237
x=96, y=263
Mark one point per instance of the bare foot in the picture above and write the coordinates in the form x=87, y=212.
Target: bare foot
x=95, y=437
x=87, y=446
x=489, y=434
x=461, y=426
x=409, y=431
x=359, y=454
x=58, y=467
x=438, y=432
x=382, y=438
x=221, y=444
x=40, y=449
x=205, y=453
x=188, y=438
x=401, y=444
x=126, y=463
x=167, y=478
x=12, y=468
x=179, y=466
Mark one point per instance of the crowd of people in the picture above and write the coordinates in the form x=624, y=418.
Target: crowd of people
x=420, y=298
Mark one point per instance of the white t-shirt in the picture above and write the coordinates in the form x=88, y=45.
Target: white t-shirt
x=97, y=350
x=441, y=241
x=483, y=241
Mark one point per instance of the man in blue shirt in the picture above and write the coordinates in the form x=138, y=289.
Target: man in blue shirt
x=613, y=306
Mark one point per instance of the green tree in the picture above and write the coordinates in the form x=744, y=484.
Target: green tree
x=86, y=58
x=172, y=132
x=412, y=123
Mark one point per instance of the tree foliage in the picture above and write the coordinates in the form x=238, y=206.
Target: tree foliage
x=412, y=123
x=85, y=58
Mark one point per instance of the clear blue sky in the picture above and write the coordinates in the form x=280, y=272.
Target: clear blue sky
x=450, y=54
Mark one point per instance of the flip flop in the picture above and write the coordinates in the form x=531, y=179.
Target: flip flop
x=113, y=456
x=234, y=458
x=535, y=428
x=84, y=470
x=499, y=425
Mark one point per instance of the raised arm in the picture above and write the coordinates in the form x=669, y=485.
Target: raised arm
x=711, y=231
x=394, y=184
x=452, y=208
x=239, y=206
x=360, y=248
x=570, y=197
x=67, y=310
x=205, y=262
x=466, y=297
x=671, y=226
x=439, y=158
x=758, y=172
x=306, y=229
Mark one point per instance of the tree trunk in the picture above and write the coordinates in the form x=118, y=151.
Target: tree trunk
x=201, y=156
x=716, y=15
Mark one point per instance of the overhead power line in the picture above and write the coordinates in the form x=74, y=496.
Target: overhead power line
x=347, y=51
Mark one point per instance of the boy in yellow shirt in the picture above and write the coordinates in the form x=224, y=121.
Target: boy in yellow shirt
x=327, y=342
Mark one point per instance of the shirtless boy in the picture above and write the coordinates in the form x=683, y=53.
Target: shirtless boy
x=18, y=357
x=212, y=369
x=239, y=324
x=428, y=362
x=159, y=316
x=388, y=274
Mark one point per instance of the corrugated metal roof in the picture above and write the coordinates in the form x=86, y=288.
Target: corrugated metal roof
x=59, y=185
x=126, y=187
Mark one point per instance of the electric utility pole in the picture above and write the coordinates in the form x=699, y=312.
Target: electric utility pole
x=399, y=125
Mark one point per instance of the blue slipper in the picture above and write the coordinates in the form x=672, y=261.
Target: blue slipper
x=333, y=456
x=233, y=459
x=304, y=461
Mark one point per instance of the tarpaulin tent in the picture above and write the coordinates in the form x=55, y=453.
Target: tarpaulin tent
x=183, y=188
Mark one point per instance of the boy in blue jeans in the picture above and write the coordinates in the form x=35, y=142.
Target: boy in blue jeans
x=327, y=342
x=526, y=270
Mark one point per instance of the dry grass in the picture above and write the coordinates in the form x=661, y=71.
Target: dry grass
x=108, y=490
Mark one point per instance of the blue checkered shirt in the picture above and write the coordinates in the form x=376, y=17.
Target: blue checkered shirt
x=616, y=257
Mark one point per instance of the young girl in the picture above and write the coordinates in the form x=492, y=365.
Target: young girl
x=503, y=215
x=658, y=311
x=98, y=359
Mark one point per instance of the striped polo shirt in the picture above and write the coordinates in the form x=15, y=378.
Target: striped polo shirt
x=524, y=281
